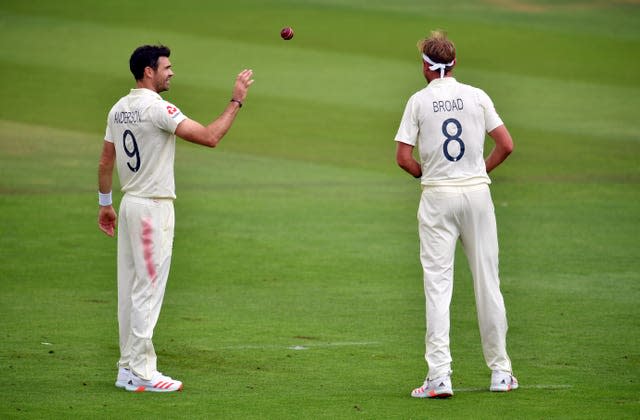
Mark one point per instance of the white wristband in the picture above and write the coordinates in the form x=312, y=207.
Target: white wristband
x=104, y=199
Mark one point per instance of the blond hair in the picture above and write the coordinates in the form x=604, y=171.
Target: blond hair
x=438, y=48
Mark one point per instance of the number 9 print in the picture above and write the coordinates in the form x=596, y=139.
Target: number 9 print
x=131, y=149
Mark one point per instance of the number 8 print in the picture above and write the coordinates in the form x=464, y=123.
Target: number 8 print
x=449, y=138
x=135, y=152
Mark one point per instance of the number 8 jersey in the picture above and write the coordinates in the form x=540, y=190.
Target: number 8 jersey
x=448, y=121
x=142, y=128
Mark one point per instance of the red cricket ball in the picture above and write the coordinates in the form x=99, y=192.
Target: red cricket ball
x=286, y=33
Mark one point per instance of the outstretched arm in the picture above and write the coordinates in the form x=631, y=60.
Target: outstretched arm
x=211, y=134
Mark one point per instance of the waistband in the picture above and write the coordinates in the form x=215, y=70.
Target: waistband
x=454, y=189
x=139, y=199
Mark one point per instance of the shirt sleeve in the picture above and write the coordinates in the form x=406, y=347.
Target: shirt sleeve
x=409, y=128
x=491, y=118
x=167, y=116
x=107, y=134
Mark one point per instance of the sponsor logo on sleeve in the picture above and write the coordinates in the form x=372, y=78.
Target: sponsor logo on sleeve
x=172, y=111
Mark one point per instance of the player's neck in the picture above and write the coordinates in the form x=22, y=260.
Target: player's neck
x=146, y=84
x=431, y=76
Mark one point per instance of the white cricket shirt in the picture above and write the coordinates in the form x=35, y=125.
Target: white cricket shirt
x=448, y=121
x=142, y=127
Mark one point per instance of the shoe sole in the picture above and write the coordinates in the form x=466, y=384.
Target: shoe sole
x=432, y=394
x=142, y=388
x=440, y=396
x=504, y=389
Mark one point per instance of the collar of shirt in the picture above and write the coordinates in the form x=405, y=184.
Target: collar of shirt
x=436, y=82
x=145, y=91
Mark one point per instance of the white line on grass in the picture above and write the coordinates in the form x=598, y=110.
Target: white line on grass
x=543, y=386
x=306, y=346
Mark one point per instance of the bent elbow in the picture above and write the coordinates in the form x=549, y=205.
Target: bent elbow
x=211, y=141
x=508, y=149
x=505, y=147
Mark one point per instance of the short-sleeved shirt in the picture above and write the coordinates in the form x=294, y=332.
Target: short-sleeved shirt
x=142, y=127
x=448, y=121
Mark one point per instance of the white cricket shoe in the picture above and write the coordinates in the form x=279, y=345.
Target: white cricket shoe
x=158, y=383
x=434, y=388
x=503, y=381
x=124, y=375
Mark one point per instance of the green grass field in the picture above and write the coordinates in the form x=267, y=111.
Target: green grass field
x=296, y=288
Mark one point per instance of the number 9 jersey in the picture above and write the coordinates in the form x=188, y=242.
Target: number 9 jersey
x=448, y=121
x=142, y=127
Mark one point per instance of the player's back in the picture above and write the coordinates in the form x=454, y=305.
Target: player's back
x=141, y=126
x=452, y=120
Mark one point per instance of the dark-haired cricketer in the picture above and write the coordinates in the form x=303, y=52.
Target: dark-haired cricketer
x=140, y=141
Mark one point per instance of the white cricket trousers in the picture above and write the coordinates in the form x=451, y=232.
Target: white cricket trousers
x=444, y=215
x=145, y=243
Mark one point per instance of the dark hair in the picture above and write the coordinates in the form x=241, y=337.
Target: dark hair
x=146, y=56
